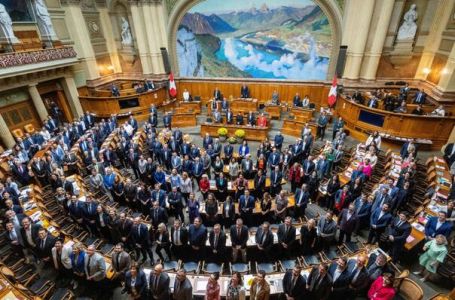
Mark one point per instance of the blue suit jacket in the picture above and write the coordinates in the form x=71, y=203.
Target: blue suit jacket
x=382, y=222
x=305, y=198
x=364, y=211
x=430, y=228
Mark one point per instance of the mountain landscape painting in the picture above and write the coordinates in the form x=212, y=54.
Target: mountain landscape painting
x=274, y=39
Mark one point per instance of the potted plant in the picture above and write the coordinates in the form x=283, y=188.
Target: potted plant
x=240, y=135
x=222, y=134
x=232, y=140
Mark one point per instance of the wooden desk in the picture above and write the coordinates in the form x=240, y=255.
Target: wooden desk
x=185, y=107
x=294, y=128
x=274, y=111
x=244, y=106
x=302, y=114
x=360, y=120
x=104, y=107
x=184, y=120
x=251, y=133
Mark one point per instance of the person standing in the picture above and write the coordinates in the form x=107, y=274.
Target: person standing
x=294, y=284
x=135, y=283
x=347, y=222
x=183, y=290
x=435, y=253
x=212, y=291
x=260, y=288
x=322, y=124
x=159, y=284
x=197, y=236
x=235, y=289
x=319, y=284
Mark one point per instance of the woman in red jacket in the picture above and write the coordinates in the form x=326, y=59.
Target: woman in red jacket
x=382, y=288
x=204, y=185
x=295, y=176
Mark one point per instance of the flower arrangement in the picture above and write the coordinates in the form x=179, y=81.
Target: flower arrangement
x=240, y=133
x=222, y=131
x=232, y=140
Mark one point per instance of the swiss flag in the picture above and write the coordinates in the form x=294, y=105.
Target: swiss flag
x=172, y=87
x=333, y=93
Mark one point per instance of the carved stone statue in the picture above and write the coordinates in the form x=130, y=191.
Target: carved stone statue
x=127, y=40
x=6, y=26
x=408, y=29
x=44, y=20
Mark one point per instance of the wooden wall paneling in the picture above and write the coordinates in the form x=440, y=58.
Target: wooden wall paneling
x=20, y=114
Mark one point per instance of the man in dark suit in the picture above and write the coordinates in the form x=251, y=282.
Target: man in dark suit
x=438, y=225
x=251, y=119
x=124, y=226
x=239, y=119
x=121, y=262
x=159, y=284
x=319, y=284
x=179, y=240
x=29, y=233
x=14, y=238
x=264, y=242
x=286, y=237
x=297, y=101
x=399, y=231
x=379, y=220
x=246, y=206
x=276, y=176
x=347, y=221
x=183, y=290
x=326, y=230
x=175, y=203
x=363, y=211
x=377, y=265
x=217, y=94
x=278, y=140
x=21, y=172
x=239, y=236
x=302, y=197
x=217, y=240
x=197, y=237
x=308, y=167
x=44, y=243
x=141, y=240
x=340, y=278
x=90, y=215
x=157, y=215
x=229, y=116
x=359, y=277
x=381, y=197
x=294, y=284
x=167, y=120
x=420, y=97
x=244, y=91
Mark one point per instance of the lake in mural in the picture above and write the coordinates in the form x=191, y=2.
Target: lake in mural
x=274, y=39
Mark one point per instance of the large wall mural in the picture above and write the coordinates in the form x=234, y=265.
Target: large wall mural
x=276, y=39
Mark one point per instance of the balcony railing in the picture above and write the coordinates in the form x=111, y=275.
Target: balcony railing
x=14, y=59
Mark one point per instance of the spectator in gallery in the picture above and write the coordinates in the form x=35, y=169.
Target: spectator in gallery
x=217, y=94
x=439, y=111
x=420, y=97
x=306, y=101
x=418, y=110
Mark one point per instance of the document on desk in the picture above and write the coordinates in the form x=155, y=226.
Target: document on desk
x=201, y=284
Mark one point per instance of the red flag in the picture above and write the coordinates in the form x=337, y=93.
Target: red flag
x=172, y=87
x=333, y=92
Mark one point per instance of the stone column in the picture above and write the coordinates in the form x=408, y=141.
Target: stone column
x=362, y=12
x=110, y=39
x=7, y=137
x=447, y=80
x=38, y=102
x=376, y=39
x=80, y=35
x=141, y=39
x=154, y=40
x=70, y=89
x=440, y=19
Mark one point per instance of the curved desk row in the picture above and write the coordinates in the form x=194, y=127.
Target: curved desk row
x=104, y=107
x=361, y=120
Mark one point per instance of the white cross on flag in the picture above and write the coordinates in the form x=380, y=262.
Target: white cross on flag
x=172, y=87
x=333, y=92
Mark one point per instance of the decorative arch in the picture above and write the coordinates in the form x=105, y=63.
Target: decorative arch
x=330, y=8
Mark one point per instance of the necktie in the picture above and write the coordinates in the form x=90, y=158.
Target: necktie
x=138, y=230
x=215, y=243
x=155, y=284
x=42, y=243
x=238, y=232
x=287, y=230
x=117, y=261
x=88, y=265
x=156, y=214
x=399, y=223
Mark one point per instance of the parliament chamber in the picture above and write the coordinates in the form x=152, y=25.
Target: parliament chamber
x=206, y=149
